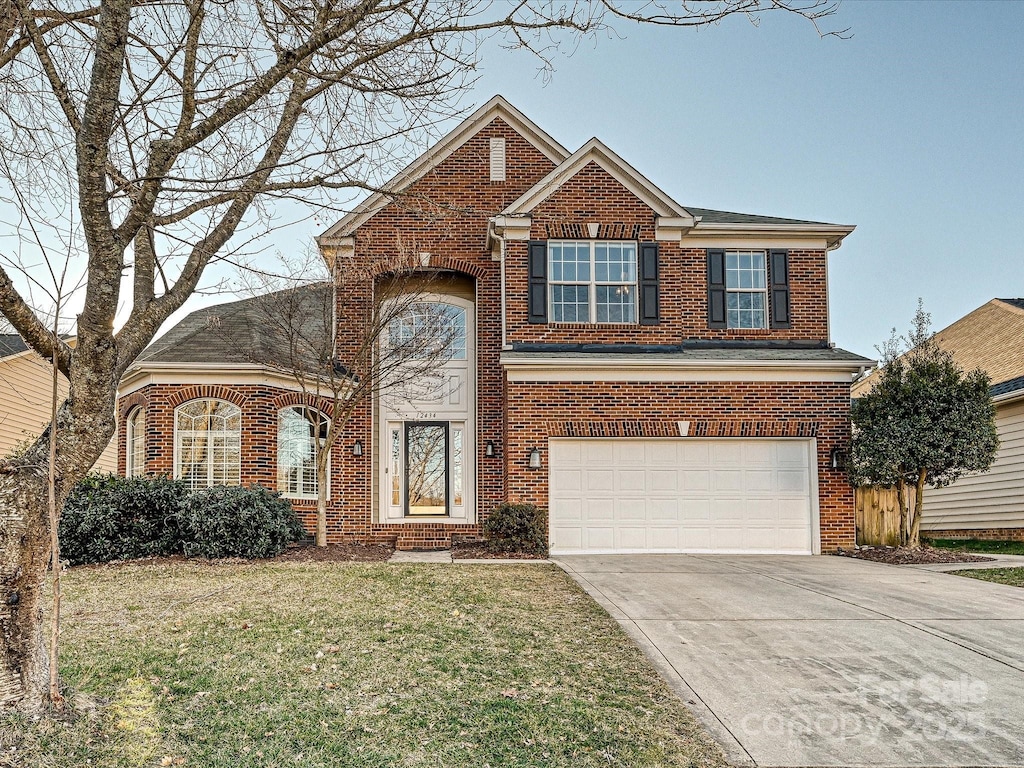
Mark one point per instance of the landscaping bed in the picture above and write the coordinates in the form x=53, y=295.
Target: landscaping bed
x=323, y=664
x=478, y=550
x=912, y=555
x=336, y=553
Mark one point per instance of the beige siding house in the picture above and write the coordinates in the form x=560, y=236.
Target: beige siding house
x=990, y=504
x=25, y=398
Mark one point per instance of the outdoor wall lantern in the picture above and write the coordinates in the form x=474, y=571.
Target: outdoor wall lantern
x=357, y=448
x=489, y=451
x=535, y=458
x=838, y=456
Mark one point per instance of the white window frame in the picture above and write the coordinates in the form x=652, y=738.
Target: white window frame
x=179, y=434
x=317, y=447
x=593, y=283
x=763, y=291
x=135, y=443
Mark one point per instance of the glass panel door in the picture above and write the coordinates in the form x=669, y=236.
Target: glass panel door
x=426, y=468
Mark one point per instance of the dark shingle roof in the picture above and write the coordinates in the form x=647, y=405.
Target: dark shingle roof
x=11, y=344
x=274, y=329
x=1006, y=387
x=1018, y=303
x=709, y=216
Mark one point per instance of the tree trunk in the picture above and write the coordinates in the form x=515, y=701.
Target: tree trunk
x=915, y=524
x=322, y=463
x=84, y=427
x=901, y=499
x=24, y=554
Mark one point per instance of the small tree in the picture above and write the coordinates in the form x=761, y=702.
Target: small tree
x=925, y=422
x=396, y=339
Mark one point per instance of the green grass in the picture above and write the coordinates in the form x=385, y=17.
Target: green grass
x=1012, y=576
x=980, y=545
x=327, y=664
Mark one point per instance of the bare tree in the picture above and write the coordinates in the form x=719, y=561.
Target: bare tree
x=168, y=133
x=401, y=339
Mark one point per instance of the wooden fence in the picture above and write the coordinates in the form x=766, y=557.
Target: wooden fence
x=878, y=516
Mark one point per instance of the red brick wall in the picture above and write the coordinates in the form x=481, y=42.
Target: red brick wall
x=593, y=196
x=988, y=534
x=537, y=411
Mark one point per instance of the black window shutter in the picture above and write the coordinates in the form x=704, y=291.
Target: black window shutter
x=538, y=281
x=716, y=288
x=650, y=313
x=779, y=275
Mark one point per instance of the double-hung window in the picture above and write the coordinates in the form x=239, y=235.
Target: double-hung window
x=592, y=281
x=746, y=289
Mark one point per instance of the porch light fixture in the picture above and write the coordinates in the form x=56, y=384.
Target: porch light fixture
x=489, y=451
x=357, y=448
x=535, y=458
x=838, y=456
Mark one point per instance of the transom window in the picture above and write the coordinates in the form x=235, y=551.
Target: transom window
x=301, y=435
x=426, y=329
x=207, y=443
x=592, y=281
x=135, y=441
x=746, y=289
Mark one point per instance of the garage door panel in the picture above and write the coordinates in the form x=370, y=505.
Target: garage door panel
x=699, y=495
x=631, y=510
x=599, y=508
x=792, y=480
x=727, y=479
x=631, y=480
x=661, y=509
x=695, y=480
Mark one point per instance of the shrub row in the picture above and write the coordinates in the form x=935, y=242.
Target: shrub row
x=113, y=518
x=517, y=528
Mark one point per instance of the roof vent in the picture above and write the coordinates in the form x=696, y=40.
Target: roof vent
x=498, y=158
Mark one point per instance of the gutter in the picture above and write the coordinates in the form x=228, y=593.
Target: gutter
x=699, y=364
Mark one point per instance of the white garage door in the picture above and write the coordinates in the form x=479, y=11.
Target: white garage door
x=683, y=495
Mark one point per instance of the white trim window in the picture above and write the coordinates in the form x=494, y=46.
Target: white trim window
x=135, y=443
x=301, y=436
x=429, y=330
x=208, y=443
x=592, y=281
x=746, y=289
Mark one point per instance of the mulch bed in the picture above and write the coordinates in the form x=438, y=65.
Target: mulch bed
x=478, y=551
x=911, y=556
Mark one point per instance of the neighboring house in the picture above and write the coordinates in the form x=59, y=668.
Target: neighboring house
x=988, y=504
x=658, y=377
x=25, y=392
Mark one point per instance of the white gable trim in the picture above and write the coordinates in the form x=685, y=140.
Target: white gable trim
x=497, y=107
x=595, y=151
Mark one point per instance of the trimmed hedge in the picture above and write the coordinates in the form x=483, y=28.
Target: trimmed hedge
x=517, y=528
x=114, y=518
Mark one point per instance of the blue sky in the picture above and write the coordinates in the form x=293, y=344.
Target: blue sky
x=912, y=129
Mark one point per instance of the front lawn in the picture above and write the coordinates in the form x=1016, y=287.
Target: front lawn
x=980, y=545
x=327, y=664
x=1012, y=576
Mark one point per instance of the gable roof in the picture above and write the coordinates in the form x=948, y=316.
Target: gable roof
x=595, y=151
x=497, y=107
x=991, y=338
x=710, y=216
x=254, y=331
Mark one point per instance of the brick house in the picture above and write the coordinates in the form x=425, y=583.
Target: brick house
x=658, y=377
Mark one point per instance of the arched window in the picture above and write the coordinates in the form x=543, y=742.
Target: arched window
x=208, y=443
x=429, y=329
x=301, y=435
x=135, y=444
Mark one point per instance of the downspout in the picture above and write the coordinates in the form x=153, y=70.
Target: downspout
x=501, y=268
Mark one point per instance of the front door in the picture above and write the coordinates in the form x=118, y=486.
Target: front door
x=427, y=468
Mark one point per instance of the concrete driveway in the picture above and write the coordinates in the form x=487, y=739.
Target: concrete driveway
x=828, y=661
